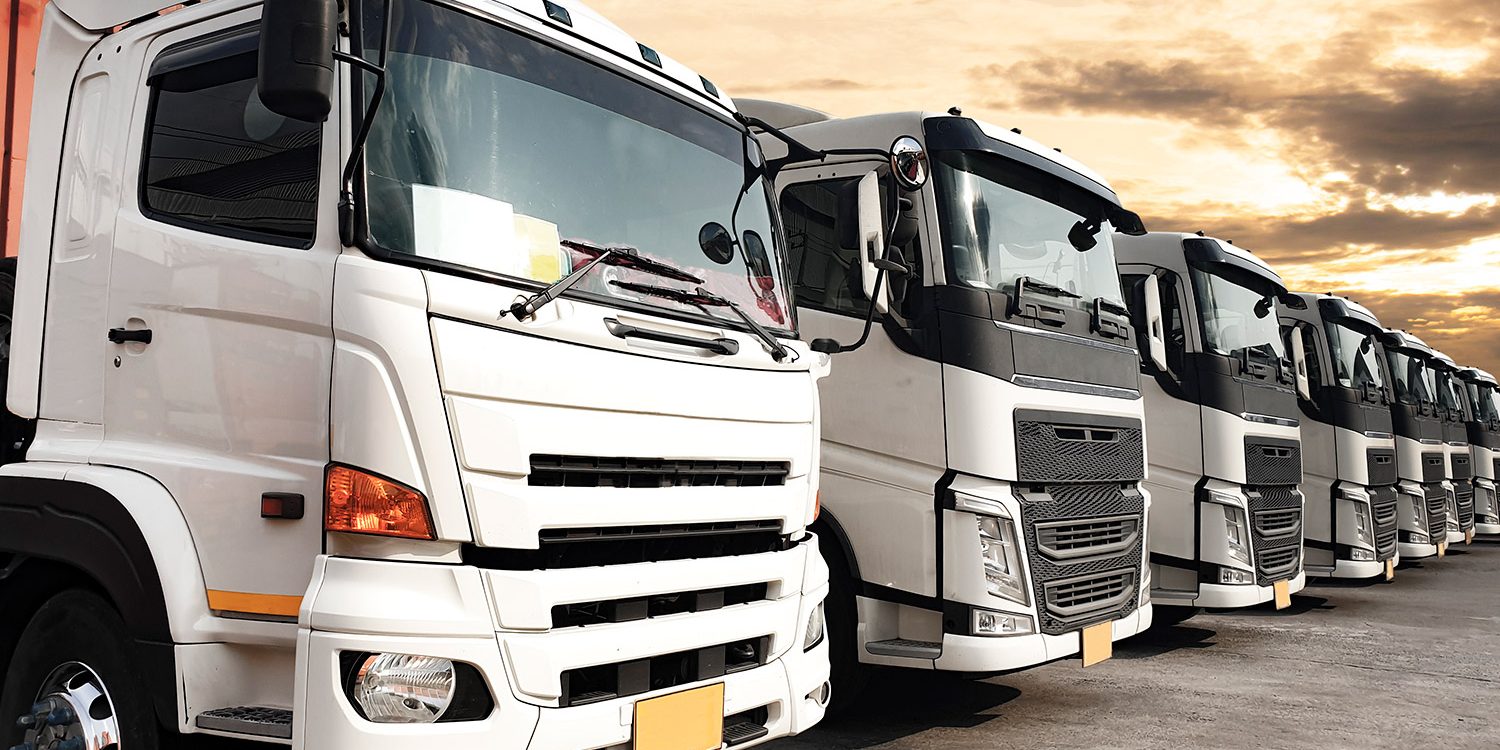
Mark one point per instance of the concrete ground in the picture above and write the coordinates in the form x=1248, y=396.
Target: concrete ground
x=1414, y=663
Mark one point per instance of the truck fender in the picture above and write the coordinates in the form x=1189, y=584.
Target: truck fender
x=832, y=536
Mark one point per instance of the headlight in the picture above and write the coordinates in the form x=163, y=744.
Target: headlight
x=1237, y=534
x=1452, y=519
x=407, y=689
x=1420, y=504
x=1000, y=624
x=815, y=629
x=1362, y=531
x=1002, y=561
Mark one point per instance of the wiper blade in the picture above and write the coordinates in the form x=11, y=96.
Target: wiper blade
x=703, y=298
x=1026, y=282
x=620, y=257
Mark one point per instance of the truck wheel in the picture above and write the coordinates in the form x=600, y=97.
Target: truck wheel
x=848, y=676
x=74, y=681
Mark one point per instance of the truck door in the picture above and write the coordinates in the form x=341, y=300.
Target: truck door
x=884, y=446
x=220, y=311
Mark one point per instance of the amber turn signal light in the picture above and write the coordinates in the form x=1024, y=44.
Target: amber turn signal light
x=362, y=503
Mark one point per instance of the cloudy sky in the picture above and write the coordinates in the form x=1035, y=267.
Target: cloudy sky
x=1354, y=144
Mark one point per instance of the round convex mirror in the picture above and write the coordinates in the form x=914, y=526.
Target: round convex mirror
x=716, y=242
x=909, y=163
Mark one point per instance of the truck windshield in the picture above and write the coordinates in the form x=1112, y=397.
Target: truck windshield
x=1355, y=363
x=1448, y=396
x=1003, y=221
x=1412, y=378
x=1236, y=319
x=1482, y=396
x=490, y=148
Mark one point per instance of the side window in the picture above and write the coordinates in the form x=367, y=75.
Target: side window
x=825, y=276
x=1172, y=320
x=216, y=159
x=1314, y=361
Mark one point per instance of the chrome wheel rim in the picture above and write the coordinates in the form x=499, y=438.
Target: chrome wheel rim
x=73, y=711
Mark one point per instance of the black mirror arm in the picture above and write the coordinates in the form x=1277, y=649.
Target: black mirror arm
x=830, y=346
x=356, y=150
x=797, y=151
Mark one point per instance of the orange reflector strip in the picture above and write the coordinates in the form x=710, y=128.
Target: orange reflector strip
x=254, y=604
x=817, y=505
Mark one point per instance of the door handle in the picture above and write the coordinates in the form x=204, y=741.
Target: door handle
x=127, y=336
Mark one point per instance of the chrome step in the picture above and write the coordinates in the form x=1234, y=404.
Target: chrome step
x=253, y=721
x=905, y=648
x=741, y=732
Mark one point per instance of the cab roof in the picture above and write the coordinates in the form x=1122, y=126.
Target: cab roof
x=1395, y=339
x=1336, y=307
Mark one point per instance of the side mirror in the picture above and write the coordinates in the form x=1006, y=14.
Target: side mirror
x=1299, y=365
x=1156, y=340
x=295, y=77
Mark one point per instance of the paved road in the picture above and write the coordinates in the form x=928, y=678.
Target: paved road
x=1412, y=664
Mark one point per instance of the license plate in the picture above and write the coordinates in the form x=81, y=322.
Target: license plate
x=1469, y=537
x=1442, y=549
x=1098, y=643
x=690, y=720
x=1390, y=570
x=1283, y=591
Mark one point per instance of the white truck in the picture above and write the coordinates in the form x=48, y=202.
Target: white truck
x=983, y=444
x=1226, y=451
x=399, y=374
x=1484, y=442
x=1453, y=407
x=1348, y=444
x=1421, y=453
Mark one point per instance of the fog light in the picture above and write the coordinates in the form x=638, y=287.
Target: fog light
x=403, y=689
x=815, y=629
x=999, y=624
x=1360, y=554
x=1233, y=577
x=1420, y=537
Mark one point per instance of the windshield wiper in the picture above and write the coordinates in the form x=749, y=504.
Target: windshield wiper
x=620, y=257
x=704, y=299
x=1026, y=282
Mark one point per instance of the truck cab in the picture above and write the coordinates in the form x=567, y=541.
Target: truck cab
x=1453, y=405
x=400, y=374
x=1348, y=444
x=1226, y=451
x=983, y=448
x=1421, y=453
x=1483, y=393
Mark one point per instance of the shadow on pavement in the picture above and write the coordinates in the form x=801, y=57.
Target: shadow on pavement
x=1301, y=604
x=900, y=703
x=1158, y=641
x=1347, y=583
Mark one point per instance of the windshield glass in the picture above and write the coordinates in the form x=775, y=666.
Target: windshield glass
x=1410, y=375
x=1448, y=395
x=1482, y=396
x=491, y=148
x=1232, y=317
x=1354, y=367
x=1002, y=221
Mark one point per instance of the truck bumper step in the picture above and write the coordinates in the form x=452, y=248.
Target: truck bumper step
x=253, y=721
x=905, y=648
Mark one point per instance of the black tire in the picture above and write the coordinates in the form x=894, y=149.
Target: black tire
x=1165, y=616
x=848, y=677
x=79, y=626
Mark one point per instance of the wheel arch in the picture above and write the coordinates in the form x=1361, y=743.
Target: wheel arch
x=832, y=536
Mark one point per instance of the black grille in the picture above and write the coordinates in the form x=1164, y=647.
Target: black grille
x=1462, y=468
x=1080, y=539
x=609, y=681
x=1464, y=497
x=1055, y=452
x=1382, y=463
x=1383, y=506
x=1074, y=585
x=1437, y=512
x=622, y=545
x=661, y=605
x=1496, y=475
x=636, y=473
x=1434, y=468
x=1276, y=541
x=1272, y=462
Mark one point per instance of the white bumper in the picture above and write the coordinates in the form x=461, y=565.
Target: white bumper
x=965, y=653
x=1361, y=569
x=451, y=612
x=1410, y=551
x=1222, y=596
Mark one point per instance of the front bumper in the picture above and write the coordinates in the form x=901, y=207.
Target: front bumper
x=1223, y=596
x=1411, y=551
x=446, y=611
x=978, y=654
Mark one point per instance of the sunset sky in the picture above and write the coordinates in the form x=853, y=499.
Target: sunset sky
x=1353, y=144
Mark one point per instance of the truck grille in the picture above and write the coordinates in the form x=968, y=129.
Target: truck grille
x=1052, y=449
x=1086, y=546
x=583, y=614
x=1276, y=533
x=1462, y=468
x=1434, y=468
x=1383, y=507
x=610, y=681
x=624, y=545
x=1437, y=512
x=1272, y=462
x=1464, y=495
x=1382, y=462
x=634, y=473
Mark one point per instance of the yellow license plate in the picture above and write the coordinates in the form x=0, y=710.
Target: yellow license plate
x=1283, y=591
x=1098, y=643
x=1442, y=549
x=1390, y=570
x=690, y=720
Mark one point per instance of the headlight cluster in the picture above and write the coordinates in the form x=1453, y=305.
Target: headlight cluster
x=815, y=629
x=1364, y=533
x=1237, y=534
x=409, y=689
x=1002, y=560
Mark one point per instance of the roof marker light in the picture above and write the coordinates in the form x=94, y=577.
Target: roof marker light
x=558, y=13
x=649, y=55
x=709, y=86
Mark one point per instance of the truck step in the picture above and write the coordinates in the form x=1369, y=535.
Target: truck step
x=745, y=731
x=254, y=721
x=905, y=648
